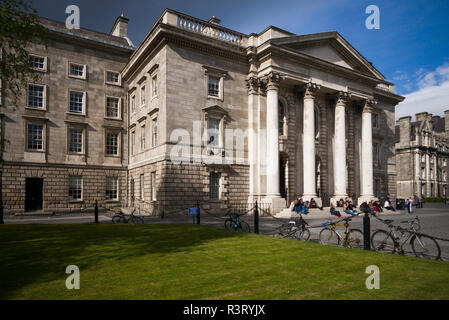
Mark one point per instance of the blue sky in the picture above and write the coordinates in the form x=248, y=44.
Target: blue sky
x=411, y=48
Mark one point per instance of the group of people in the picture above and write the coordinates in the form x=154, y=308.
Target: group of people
x=302, y=207
x=348, y=208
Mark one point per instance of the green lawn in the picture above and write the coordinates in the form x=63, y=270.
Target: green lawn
x=198, y=262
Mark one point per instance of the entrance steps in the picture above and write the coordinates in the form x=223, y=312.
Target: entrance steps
x=313, y=213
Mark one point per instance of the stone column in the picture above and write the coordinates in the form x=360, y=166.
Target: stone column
x=366, y=175
x=340, y=147
x=309, y=144
x=273, y=187
x=252, y=84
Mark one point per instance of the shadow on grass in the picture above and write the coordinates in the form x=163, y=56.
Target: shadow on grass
x=41, y=253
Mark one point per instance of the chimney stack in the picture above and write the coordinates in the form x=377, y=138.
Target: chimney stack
x=446, y=121
x=405, y=127
x=422, y=116
x=120, y=28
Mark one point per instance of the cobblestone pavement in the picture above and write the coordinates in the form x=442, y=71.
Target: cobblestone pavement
x=434, y=221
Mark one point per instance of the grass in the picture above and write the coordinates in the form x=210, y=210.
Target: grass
x=198, y=262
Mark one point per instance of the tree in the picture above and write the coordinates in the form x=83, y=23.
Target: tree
x=19, y=26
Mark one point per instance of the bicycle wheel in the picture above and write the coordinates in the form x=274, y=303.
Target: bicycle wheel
x=137, y=220
x=244, y=227
x=328, y=236
x=117, y=219
x=383, y=241
x=355, y=239
x=303, y=235
x=425, y=246
x=229, y=223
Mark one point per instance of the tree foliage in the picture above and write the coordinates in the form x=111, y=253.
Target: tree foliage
x=18, y=27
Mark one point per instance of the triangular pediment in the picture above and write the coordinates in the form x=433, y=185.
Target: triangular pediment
x=330, y=47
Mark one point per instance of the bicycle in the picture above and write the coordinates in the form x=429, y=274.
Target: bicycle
x=296, y=229
x=352, y=238
x=391, y=241
x=121, y=218
x=234, y=222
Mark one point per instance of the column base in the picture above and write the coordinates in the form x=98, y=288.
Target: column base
x=277, y=203
x=366, y=199
x=318, y=200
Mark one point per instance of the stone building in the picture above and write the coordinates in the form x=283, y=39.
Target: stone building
x=226, y=118
x=65, y=139
x=210, y=115
x=422, y=155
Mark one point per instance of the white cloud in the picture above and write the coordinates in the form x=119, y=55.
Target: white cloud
x=431, y=96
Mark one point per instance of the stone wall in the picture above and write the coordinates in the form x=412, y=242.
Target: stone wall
x=56, y=185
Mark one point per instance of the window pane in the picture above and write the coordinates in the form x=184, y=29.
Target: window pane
x=112, y=77
x=111, y=143
x=142, y=137
x=154, y=132
x=76, y=102
x=213, y=132
x=76, y=140
x=214, y=86
x=214, y=185
x=36, y=96
x=112, y=107
x=112, y=188
x=75, y=187
x=142, y=96
x=153, y=186
x=76, y=70
x=142, y=187
x=37, y=62
x=35, y=137
x=154, y=85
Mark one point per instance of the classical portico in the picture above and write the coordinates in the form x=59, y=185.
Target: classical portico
x=264, y=119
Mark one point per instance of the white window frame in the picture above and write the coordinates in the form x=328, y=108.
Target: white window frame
x=219, y=186
x=119, y=138
x=119, y=81
x=117, y=191
x=83, y=139
x=216, y=73
x=143, y=95
x=83, y=77
x=83, y=112
x=220, y=87
x=44, y=96
x=142, y=187
x=153, y=186
x=81, y=185
x=44, y=68
x=119, y=108
x=154, y=86
x=44, y=135
x=154, y=132
x=143, y=136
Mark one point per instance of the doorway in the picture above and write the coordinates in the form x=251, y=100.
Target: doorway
x=33, y=194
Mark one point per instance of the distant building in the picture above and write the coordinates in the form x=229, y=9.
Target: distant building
x=422, y=155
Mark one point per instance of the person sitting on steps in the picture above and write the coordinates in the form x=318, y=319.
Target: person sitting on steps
x=349, y=208
x=334, y=212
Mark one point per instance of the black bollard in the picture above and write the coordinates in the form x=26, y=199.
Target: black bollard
x=198, y=216
x=96, y=211
x=366, y=231
x=256, y=219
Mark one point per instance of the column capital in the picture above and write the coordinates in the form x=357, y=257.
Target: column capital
x=252, y=84
x=342, y=97
x=369, y=105
x=273, y=80
x=311, y=90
